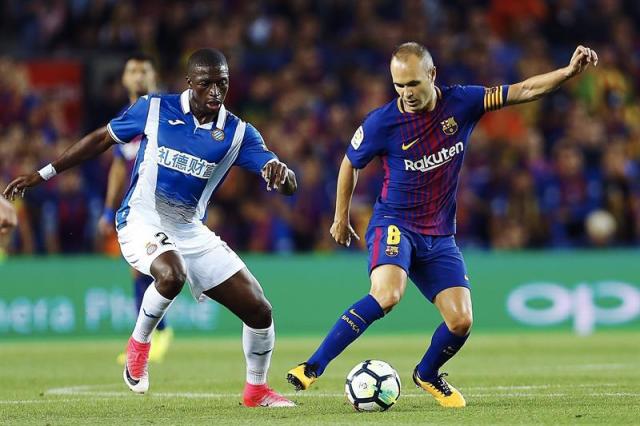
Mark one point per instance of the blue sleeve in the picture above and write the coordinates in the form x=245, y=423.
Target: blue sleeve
x=130, y=123
x=366, y=143
x=253, y=154
x=480, y=99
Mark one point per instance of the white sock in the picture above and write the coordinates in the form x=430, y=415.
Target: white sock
x=153, y=308
x=258, y=347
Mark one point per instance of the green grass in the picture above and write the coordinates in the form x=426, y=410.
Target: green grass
x=507, y=379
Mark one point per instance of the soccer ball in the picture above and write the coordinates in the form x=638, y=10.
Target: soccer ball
x=372, y=386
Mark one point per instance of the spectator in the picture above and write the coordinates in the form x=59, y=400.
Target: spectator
x=306, y=72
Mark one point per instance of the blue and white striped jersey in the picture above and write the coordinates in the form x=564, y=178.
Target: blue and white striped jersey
x=181, y=162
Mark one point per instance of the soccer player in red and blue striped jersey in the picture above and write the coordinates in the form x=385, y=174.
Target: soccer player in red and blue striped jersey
x=421, y=137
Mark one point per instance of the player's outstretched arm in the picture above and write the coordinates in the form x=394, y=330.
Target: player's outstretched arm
x=115, y=190
x=279, y=176
x=539, y=85
x=341, y=229
x=90, y=146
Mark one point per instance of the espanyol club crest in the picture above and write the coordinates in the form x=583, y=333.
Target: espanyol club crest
x=217, y=134
x=151, y=248
x=449, y=126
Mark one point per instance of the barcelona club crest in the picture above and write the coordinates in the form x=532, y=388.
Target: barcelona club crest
x=449, y=126
x=217, y=134
x=392, y=251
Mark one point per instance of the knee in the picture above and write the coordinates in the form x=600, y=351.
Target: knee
x=461, y=324
x=388, y=283
x=388, y=299
x=170, y=280
x=260, y=315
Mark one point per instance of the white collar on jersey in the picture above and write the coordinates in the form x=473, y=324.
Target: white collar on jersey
x=186, y=108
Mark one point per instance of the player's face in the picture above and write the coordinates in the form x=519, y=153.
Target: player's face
x=210, y=86
x=414, y=82
x=139, y=77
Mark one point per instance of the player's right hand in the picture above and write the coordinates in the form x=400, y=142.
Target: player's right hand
x=19, y=185
x=342, y=231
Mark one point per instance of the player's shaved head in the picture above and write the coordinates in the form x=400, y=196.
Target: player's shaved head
x=206, y=58
x=208, y=79
x=412, y=48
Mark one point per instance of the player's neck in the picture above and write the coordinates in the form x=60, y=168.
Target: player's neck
x=201, y=116
x=204, y=118
x=431, y=105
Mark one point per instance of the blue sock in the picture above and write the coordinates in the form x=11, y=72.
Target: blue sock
x=140, y=285
x=444, y=345
x=353, y=322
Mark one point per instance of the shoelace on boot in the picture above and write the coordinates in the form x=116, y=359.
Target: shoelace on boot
x=137, y=364
x=441, y=384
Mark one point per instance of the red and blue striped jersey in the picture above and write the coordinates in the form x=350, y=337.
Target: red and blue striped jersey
x=422, y=154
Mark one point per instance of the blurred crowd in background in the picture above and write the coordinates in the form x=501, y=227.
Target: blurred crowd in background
x=561, y=172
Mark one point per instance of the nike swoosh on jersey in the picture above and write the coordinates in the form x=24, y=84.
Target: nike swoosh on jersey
x=176, y=122
x=410, y=144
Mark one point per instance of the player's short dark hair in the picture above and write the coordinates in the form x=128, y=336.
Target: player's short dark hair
x=412, y=48
x=206, y=58
x=141, y=57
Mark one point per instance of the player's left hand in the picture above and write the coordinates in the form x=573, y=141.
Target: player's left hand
x=582, y=57
x=275, y=174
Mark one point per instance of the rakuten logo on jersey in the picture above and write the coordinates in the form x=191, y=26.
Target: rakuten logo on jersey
x=433, y=161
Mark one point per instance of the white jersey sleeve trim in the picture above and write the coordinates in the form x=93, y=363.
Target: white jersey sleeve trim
x=113, y=135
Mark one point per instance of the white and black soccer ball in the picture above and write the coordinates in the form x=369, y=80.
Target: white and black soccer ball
x=372, y=385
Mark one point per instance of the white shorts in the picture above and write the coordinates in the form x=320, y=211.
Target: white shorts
x=209, y=260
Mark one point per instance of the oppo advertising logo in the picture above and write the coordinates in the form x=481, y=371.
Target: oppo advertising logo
x=582, y=304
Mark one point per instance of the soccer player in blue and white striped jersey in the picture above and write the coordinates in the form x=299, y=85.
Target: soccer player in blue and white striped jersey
x=190, y=141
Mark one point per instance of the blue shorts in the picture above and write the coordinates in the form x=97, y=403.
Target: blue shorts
x=433, y=263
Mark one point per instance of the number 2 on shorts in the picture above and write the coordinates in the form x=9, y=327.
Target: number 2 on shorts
x=164, y=239
x=393, y=235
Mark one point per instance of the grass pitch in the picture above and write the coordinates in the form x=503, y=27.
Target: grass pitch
x=506, y=379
